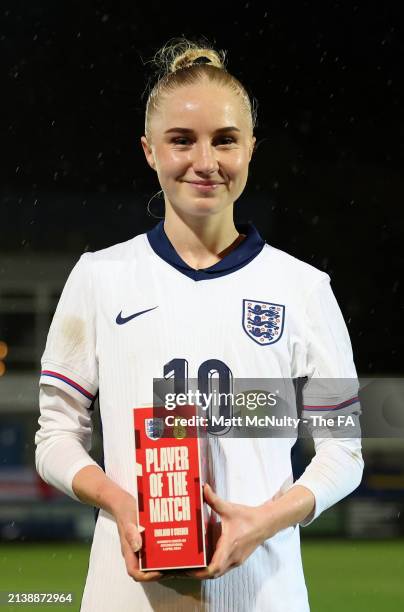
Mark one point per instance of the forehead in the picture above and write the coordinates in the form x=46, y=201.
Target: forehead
x=205, y=106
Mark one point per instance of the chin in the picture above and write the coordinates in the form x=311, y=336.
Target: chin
x=205, y=207
x=200, y=206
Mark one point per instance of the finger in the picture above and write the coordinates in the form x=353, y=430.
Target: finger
x=207, y=573
x=220, y=562
x=213, y=569
x=133, y=537
x=132, y=566
x=131, y=560
x=147, y=576
x=218, y=504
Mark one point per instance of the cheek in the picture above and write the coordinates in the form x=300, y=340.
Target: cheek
x=172, y=162
x=239, y=162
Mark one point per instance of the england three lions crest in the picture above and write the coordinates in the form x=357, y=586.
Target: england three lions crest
x=263, y=321
x=154, y=428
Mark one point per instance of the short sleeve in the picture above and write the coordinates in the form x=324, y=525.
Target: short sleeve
x=332, y=383
x=69, y=360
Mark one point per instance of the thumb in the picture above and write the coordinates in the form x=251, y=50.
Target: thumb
x=215, y=502
x=134, y=538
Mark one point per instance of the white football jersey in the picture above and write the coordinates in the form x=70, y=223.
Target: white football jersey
x=125, y=314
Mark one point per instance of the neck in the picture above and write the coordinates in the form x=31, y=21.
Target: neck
x=202, y=241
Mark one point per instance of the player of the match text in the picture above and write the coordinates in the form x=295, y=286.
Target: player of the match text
x=7, y=597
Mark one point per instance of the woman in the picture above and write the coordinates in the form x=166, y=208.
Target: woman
x=186, y=291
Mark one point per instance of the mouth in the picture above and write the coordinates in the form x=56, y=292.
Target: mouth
x=205, y=186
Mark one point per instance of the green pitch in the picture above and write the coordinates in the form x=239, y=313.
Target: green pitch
x=354, y=576
x=351, y=576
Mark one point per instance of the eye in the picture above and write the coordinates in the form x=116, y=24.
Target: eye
x=180, y=140
x=226, y=140
x=221, y=140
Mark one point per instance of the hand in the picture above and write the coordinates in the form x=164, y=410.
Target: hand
x=131, y=540
x=243, y=529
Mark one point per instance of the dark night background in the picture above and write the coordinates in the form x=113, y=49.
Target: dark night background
x=326, y=183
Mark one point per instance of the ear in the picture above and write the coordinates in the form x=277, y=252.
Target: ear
x=253, y=146
x=148, y=152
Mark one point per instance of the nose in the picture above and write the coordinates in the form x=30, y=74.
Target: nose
x=205, y=158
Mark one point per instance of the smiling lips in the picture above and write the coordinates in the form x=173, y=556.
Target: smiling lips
x=205, y=186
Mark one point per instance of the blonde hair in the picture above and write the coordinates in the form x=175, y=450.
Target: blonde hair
x=175, y=68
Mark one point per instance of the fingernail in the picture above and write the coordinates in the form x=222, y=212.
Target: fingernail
x=137, y=545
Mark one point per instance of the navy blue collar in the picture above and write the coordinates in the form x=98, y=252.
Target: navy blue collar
x=239, y=257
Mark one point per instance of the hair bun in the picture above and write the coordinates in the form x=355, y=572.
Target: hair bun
x=196, y=55
x=180, y=53
x=201, y=60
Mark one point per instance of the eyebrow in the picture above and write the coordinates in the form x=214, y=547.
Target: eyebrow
x=182, y=130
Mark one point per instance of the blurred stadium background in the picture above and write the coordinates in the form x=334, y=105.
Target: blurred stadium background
x=326, y=185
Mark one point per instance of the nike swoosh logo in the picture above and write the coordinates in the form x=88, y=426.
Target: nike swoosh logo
x=121, y=320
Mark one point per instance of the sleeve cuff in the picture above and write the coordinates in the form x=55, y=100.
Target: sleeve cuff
x=317, y=508
x=51, y=465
